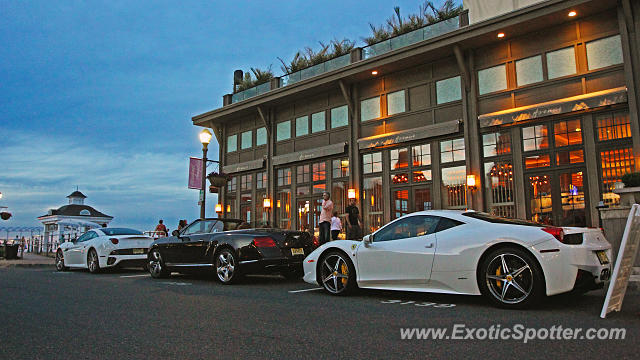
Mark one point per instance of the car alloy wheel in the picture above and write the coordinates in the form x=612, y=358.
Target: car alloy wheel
x=156, y=267
x=509, y=278
x=226, y=266
x=60, y=261
x=337, y=274
x=94, y=265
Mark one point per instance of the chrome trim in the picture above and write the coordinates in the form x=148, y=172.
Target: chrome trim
x=247, y=261
x=188, y=265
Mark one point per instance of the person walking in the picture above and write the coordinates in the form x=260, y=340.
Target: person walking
x=161, y=228
x=354, y=225
x=325, y=218
x=336, y=226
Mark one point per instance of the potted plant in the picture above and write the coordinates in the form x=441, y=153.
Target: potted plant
x=630, y=193
x=218, y=179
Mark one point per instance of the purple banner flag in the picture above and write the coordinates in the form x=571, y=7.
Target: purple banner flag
x=195, y=173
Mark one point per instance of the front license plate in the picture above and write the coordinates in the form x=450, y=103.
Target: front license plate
x=138, y=251
x=602, y=256
x=297, y=251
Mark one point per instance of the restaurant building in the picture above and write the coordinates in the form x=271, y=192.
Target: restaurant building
x=525, y=109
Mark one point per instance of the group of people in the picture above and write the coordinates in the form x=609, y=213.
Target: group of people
x=163, y=230
x=331, y=225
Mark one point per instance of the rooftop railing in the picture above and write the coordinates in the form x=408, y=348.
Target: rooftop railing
x=410, y=38
x=394, y=43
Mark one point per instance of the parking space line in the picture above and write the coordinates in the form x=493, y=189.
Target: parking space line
x=132, y=276
x=303, y=290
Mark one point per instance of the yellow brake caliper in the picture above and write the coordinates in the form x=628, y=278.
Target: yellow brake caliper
x=345, y=271
x=498, y=274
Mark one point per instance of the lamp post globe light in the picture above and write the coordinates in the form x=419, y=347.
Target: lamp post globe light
x=205, y=138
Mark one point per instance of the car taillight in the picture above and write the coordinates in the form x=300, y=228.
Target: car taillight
x=264, y=242
x=114, y=241
x=555, y=231
x=316, y=243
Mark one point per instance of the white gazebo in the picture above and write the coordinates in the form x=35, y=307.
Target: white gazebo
x=69, y=221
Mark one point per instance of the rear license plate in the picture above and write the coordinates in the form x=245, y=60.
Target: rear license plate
x=138, y=251
x=602, y=257
x=297, y=251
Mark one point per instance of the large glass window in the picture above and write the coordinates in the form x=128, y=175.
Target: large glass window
x=561, y=62
x=399, y=158
x=372, y=162
x=302, y=125
x=232, y=143
x=535, y=138
x=497, y=143
x=529, y=70
x=232, y=184
x=492, y=79
x=395, y=103
x=230, y=202
x=614, y=163
x=261, y=136
x=283, y=206
x=247, y=140
x=452, y=150
x=567, y=133
x=284, y=177
x=261, y=180
x=370, y=109
x=318, y=122
x=303, y=174
x=499, y=188
x=537, y=161
x=339, y=116
x=448, y=90
x=283, y=130
x=319, y=171
x=340, y=168
x=245, y=182
x=372, y=204
x=604, y=52
x=613, y=126
x=454, y=189
x=421, y=155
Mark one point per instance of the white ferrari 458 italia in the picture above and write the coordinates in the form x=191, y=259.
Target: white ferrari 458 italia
x=104, y=248
x=511, y=262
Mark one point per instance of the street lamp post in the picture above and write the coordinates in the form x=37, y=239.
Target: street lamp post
x=205, y=138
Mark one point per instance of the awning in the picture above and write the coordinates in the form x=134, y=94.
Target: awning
x=245, y=166
x=555, y=107
x=444, y=128
x=310, y=154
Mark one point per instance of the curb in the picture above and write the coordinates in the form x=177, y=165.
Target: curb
x=9, y=265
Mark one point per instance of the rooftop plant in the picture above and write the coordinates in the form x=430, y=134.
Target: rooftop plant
x=397, y=24
x=309, y=57
x=260, y=76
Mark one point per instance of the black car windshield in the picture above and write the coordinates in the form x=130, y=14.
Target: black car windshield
x=499, y=220
x=120, y=231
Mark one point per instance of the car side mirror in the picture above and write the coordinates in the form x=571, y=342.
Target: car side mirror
x=367, y=239
x=175, y=233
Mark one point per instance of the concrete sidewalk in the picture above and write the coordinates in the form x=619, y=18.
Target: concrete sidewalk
x=29, y=259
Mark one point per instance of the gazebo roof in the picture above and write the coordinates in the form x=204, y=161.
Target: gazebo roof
x=77, y=194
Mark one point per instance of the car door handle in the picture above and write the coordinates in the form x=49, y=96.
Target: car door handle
x=429, y=246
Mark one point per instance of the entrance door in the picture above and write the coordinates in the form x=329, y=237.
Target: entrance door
x=309, y=209
x=557, y=197
x=406, y=200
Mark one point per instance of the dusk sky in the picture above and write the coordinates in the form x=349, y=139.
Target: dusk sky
x=100, y=94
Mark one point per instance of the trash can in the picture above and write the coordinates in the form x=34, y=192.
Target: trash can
x=2, y=251
x=11, y=251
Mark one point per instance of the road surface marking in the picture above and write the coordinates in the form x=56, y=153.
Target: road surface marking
x=132, y=276
x=176, y=283
x=303, y=290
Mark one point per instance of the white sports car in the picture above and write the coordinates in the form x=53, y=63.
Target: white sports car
x=511, y=262
x=104, y=247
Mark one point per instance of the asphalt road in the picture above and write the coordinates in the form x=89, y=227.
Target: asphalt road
x=126, y=314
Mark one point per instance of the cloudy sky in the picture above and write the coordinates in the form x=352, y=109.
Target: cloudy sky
x=100, y=94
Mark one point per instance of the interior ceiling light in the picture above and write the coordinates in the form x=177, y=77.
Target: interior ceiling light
x=500, y=35
x=374, y=72
x=572, y=13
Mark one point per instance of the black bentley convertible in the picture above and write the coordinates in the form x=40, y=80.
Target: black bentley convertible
x=219, y=245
